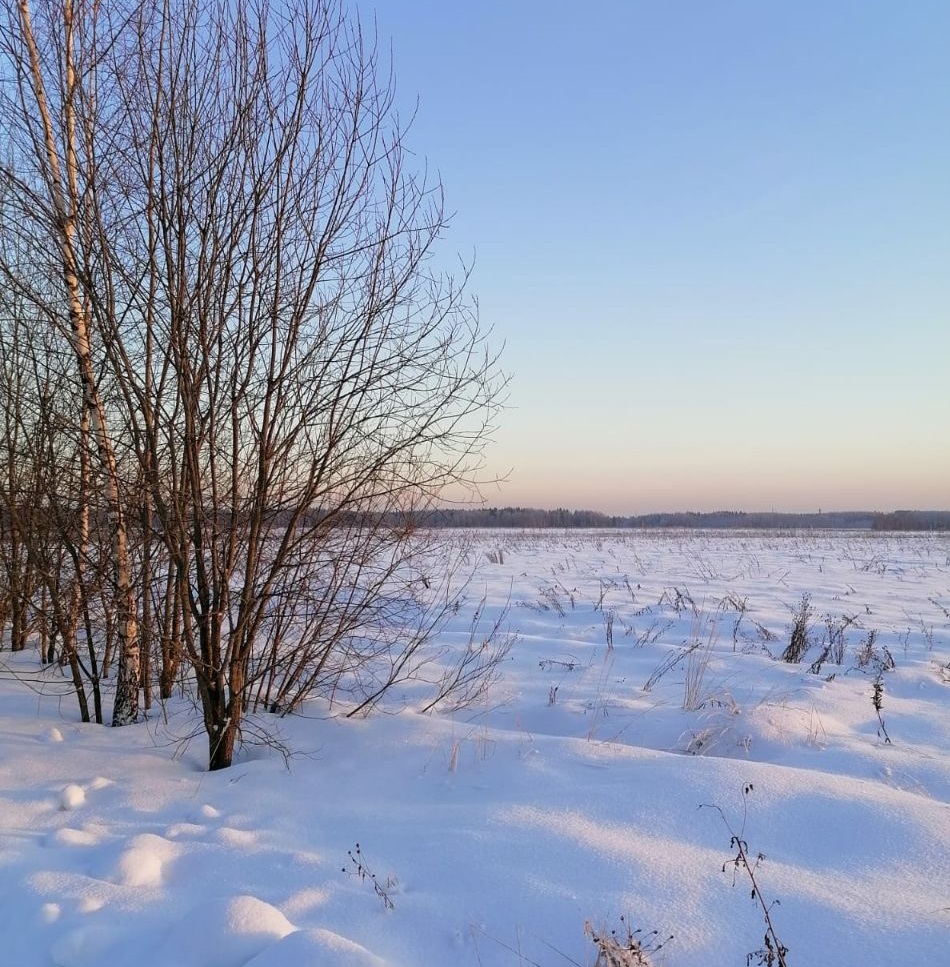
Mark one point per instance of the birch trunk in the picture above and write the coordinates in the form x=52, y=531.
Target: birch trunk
x=65, y=199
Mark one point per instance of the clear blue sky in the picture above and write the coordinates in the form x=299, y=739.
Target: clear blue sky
x=714, y=236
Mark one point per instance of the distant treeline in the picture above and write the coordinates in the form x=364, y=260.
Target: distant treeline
x=530, y=517
x=912, y=520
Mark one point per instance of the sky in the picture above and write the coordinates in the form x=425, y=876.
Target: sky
x=713, y=237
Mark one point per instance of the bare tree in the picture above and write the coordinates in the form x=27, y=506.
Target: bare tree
x=17, y=484
x=51, y=120
x=255, y=314
x=44, y=498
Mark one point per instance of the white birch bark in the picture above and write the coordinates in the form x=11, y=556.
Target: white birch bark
x=65, y=200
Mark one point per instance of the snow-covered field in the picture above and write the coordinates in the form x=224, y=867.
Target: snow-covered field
x=572, y=796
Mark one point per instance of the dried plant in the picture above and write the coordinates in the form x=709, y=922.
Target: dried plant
x=550, y=601
x=870, y=656
x=732, y=602
x=668, y=664
x=697, y=663
x=877, y=699
x=800, y=639
x=680, y=600
x=606, y=585
x=609, y=628
x=357, y=867
x=624, y=947
x=773, y=952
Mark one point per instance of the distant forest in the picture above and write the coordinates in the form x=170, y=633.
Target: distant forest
x=529, y=517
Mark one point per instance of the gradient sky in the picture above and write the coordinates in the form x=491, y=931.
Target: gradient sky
x=714, y=237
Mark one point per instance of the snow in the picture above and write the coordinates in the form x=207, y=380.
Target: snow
x=573, y=795
x=224, y=931
x=72, y=797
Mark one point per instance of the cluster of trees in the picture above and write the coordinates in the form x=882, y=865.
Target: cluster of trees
x=910, y=520
x=520, y=517
x=230, y=375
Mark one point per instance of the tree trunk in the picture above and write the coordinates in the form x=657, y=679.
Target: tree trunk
x=221, y=740
x=65, y=196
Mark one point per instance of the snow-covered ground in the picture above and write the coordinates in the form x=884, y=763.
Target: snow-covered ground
x=572, y=796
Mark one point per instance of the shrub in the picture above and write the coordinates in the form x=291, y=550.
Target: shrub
x=800, y=640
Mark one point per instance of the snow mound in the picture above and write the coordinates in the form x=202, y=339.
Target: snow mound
x=142, y=863
x=225, y=932
x=50, y=913
x=73, y=837
x=72, y=797
x=185, y=831
x=238, y=838
x=316, y=947
x=53, y=734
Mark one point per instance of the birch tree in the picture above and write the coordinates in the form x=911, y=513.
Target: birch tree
x=50, y=122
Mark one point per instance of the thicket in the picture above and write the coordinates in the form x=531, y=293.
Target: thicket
x=231, y=374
